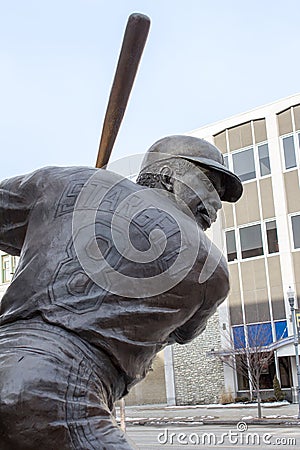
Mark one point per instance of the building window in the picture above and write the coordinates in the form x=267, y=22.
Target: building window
x=289, y=125
x=241, y=372
x=259, y=335
x=249, y=163
x=296, y=230
x=285, y=371
x=226, y=161
x=238, y=334
x=231, y=245
x=8, y=267
x=272, y=238
x=264, y=160
x=13, y=264
x=243, y=164
x=289, y=152
x=251, y=241
x=281, y=329
x=268, y=372
x=6, y=271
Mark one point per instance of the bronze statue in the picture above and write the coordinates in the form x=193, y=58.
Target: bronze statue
x=110, y=272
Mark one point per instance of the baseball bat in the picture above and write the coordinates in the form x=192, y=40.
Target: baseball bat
x=134, y=40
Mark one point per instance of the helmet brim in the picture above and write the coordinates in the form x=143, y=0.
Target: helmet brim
x=233, y=185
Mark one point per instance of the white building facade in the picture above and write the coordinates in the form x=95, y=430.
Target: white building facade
x=262, y=234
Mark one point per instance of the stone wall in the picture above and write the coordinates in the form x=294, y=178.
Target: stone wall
x=199, y=379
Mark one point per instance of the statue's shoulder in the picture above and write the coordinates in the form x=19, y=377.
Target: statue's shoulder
x=61, y=172
x=60, y=177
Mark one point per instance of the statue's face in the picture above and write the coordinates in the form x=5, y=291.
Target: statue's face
x=199, y=190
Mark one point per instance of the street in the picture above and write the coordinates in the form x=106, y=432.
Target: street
x=209, y=436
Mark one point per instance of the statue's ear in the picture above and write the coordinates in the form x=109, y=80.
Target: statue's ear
x=166, y=178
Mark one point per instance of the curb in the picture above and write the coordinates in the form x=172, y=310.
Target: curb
x=159, y=422
x=262, y=421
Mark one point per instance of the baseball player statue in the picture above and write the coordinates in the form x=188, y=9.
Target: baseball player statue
x=110, y=273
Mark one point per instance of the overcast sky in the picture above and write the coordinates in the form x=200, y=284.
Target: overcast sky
x=203, y=61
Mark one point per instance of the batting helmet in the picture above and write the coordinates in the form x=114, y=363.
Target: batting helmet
x=200, y=152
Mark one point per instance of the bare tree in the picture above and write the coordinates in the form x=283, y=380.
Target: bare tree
x=249, y=354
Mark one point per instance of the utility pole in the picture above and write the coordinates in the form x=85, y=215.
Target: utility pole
x=291, y=298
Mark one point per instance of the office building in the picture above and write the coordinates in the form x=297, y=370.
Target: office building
x=261, y=236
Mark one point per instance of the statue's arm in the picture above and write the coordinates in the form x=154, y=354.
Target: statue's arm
x=15, y=204
x=215, y=292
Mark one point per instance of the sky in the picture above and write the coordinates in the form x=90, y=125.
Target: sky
x=203, y=61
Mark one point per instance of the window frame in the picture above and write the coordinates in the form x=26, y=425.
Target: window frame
x=266, y=237
x=296, y=137
x=5, y=259
x=255, y=146
x=245, y=327
x=262, y=239
x=263, y=228
x=12, y=265
x=260, y=144
x=292, y=245
x=236, y=244
x=235, y=152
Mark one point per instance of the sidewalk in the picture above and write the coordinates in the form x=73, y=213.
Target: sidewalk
x=281, y=413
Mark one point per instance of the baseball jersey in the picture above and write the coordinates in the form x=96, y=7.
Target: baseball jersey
x=115, y=263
